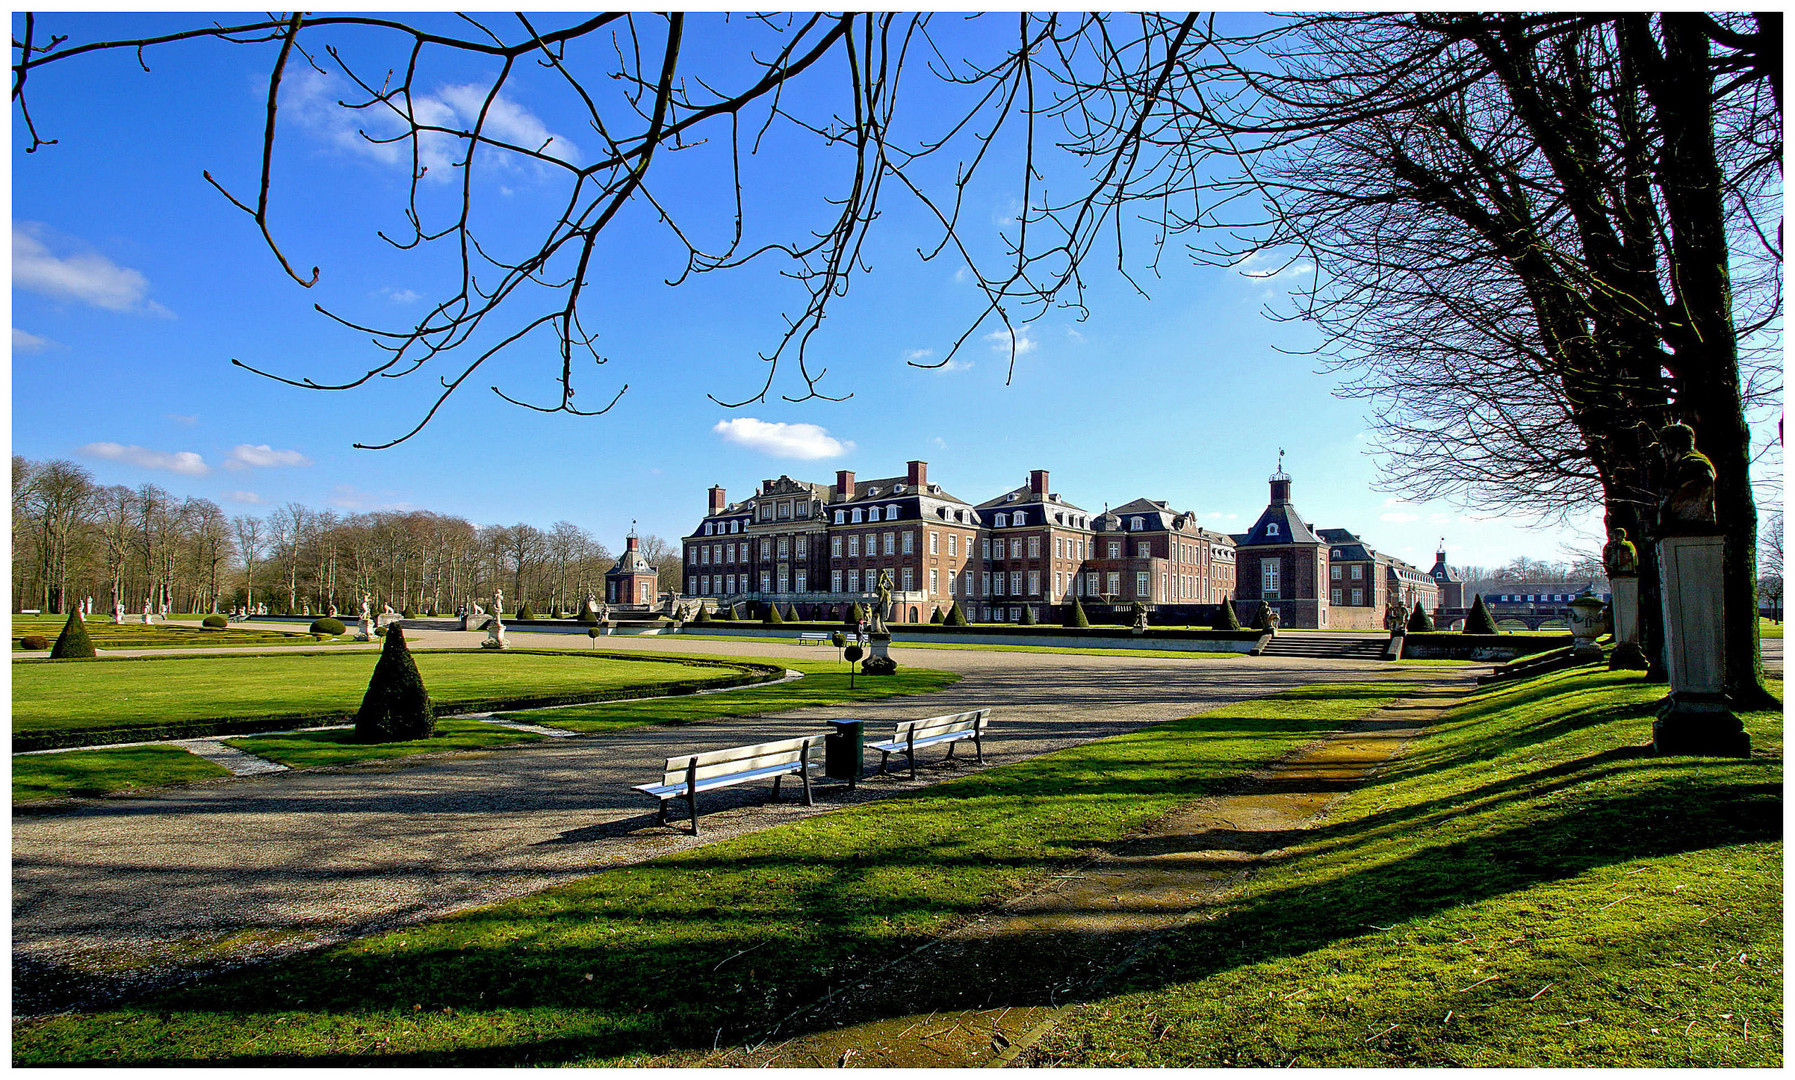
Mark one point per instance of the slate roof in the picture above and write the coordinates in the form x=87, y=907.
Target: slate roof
x=632, y=562
x=1292, y=529
x=1442, y=572
x=1350, y=547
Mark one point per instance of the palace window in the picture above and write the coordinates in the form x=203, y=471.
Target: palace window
x=1058, y=547
x=856, y=515
x=840, y=516
x=909, y=543
x=909, y=577
x=785, y=581
x=785, y=514
x=1143, y=585
x=1115, y=549
x=800, y=547
x=803, y=582
x=1115, y=583
x=835, y=547
x=1336, y=596
x=1090, y=583
x=707, y=528
x=890, y=543
x=766, y=548
x=1034, y=583
x=1143, y=549
x=1015, y=583
x=766, y=581
x=835, y=581
x=934, y=543
x=853, y=581
x=953, y=544
x=1020, y=518
x=1136, y=524
x=853, y=546
x=1015, y=547
x=1334, y=572
x=934, y=581
x=1358, y=572
x=1358, y=596
x=1034, y=547
x=985, y=546
x=1268, y=577
x=766, y=511
x=984, y=581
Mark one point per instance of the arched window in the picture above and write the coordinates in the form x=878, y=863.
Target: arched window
x=1136, y=524
x=1003, y=520
x=1021, y=518
x=891, y=513
x=1271, y=528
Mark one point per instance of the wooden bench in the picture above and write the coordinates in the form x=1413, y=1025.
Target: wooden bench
x=951, y=729
x=688, y=774
x=812, y=637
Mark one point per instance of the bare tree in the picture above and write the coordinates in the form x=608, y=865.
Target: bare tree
x=1770, y=566
x=251, y=535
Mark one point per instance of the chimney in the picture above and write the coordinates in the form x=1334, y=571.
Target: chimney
x=919, y=474
x=632, y=542
x=844, y=484
x=717, y=500
x=1280, y=490
x=1037, y=481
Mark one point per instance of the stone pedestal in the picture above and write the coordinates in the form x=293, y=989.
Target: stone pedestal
x=495, y=635
x=1695, y=718
x=1628, y=653
x=364, y=630
x=878, y=656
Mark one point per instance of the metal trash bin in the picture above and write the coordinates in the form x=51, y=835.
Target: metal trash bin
x=844, y=751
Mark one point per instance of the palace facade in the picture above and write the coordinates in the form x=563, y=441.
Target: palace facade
x=1029, y=552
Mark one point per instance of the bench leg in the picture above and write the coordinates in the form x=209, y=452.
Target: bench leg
x=776, y=780
x=804, y=775
x=692, y=808
x=912, y=764
x=884, y=758
x=978, y=745
x=660, y=818
x=951, y=747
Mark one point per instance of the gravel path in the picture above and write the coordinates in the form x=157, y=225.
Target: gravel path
x=112, y=896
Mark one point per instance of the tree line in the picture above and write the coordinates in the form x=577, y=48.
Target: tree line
x=73, y=539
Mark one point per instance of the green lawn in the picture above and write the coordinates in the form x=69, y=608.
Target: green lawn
x=825, y=682
x=1043, y=647
x=84, y=702
x=1527, y=888
x=709, y=944
x=105, y=635
x=98, y=772
x=311, y=749
x=1768, y=629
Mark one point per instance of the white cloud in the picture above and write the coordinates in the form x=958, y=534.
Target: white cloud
x=315, y=101
x=184, y=421
x=961, y=275
x=85, y=276
x=245, y=456
x=804, y=441
x=1264, y=266
x=1072, y=332
x=921, y=358
x=1399, y=518
x=1441, y=519
x=1221, y=517
x=28, y=343
x=401, y=296
x=939, y=441
x=918, y=356
x=1000, y=341
x=246, y=497
x=185, y=462
x=349, y=497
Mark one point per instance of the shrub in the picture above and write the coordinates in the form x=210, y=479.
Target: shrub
x=1226, y=619
x=525, y=611
x=856, y=615
x=1028, y=615
x=1419, y=621
x=408, y=614
x=73, y=643
x=955, y=616
x=214, y=622
x=590, y=617
x=34, y=641
x=838, y=639
x=852, y=653
x=396, y=707
x=328, y=627
x=773, y=617
x=703, y=616
x=791, y=612
x=1076, y=617
x=936, y=618
x=380, y=631
x=1480, y=621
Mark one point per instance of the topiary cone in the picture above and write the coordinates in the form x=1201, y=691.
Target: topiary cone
x=956, y=616
x=1419, y=622
x=1078, y=618
x=73, y=643
x=1226, y=619
x=1481, y=621
x=396, y=707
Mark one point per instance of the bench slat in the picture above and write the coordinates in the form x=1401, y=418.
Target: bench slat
x=736, y=756
x=937, y=721
x=679, y=787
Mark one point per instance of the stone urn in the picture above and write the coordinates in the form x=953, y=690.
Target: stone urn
x=1589, y=620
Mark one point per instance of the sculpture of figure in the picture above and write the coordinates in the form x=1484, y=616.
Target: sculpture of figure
x=604, y=612
x=1140, y=616
x=367, y=605
x=331, y=611
x=883, y=608
x=147, y=616
x=118, y=613
x=1689, y=482
x=1619, y=555
x=498, y=605
x=387, y=609
x=591, y=602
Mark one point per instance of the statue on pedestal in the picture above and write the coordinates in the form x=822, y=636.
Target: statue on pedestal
x=118, y=613
x=1688, y=505
x=882, y=607
x=148, y=613
x=1619, y=556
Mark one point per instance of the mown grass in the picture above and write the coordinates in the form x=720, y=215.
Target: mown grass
x=36, y=777
x=313, y=749
x=1161, y=654
x=1528, y=887
x=825, y=682
x=83, y=702
x=1768, y=629
x=706, y=945
x=105, y=635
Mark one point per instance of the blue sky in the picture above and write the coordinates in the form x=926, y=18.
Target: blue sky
x=136, y=283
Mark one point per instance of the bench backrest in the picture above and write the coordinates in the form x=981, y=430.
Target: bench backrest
x=738, y=759
x=941, y=725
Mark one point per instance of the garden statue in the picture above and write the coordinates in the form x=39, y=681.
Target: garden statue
x=498, y=605
x=1139, y=611
x=1619, y=556
x=118, y=613
x=883, y=607
x=1689, y=484
x=148, y=613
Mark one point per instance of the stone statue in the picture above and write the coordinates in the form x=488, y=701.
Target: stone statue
x=118, y=613
x=367, y=603
x=591, y=602
x=1140, y=617
x=387, y=609
x=498, y=603
x=883, y=607
x=148, y=617
x=604, y=612
x=1619, y=556
x=1688, y=483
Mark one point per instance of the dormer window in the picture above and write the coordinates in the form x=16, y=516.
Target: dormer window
x=1136, y=524
x=1336, y=553
x=1003, y=520
x=891, y=513
x=1013, y=496
x=1271, y=528
x=840, y=516
x=707, y=528
x=856, y=515
x=897, y=489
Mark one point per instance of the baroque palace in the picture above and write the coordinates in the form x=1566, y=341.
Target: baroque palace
x=820, y=547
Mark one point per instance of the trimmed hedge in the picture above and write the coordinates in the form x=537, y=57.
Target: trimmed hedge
x=396, y=707
x=1480, y=621
x=1419, y=620
x=1077, y=619
x=329, y=626
x=34, y=641
x=956, y=617
x=73, y=643
x=1226, y=619
x=215, y=622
